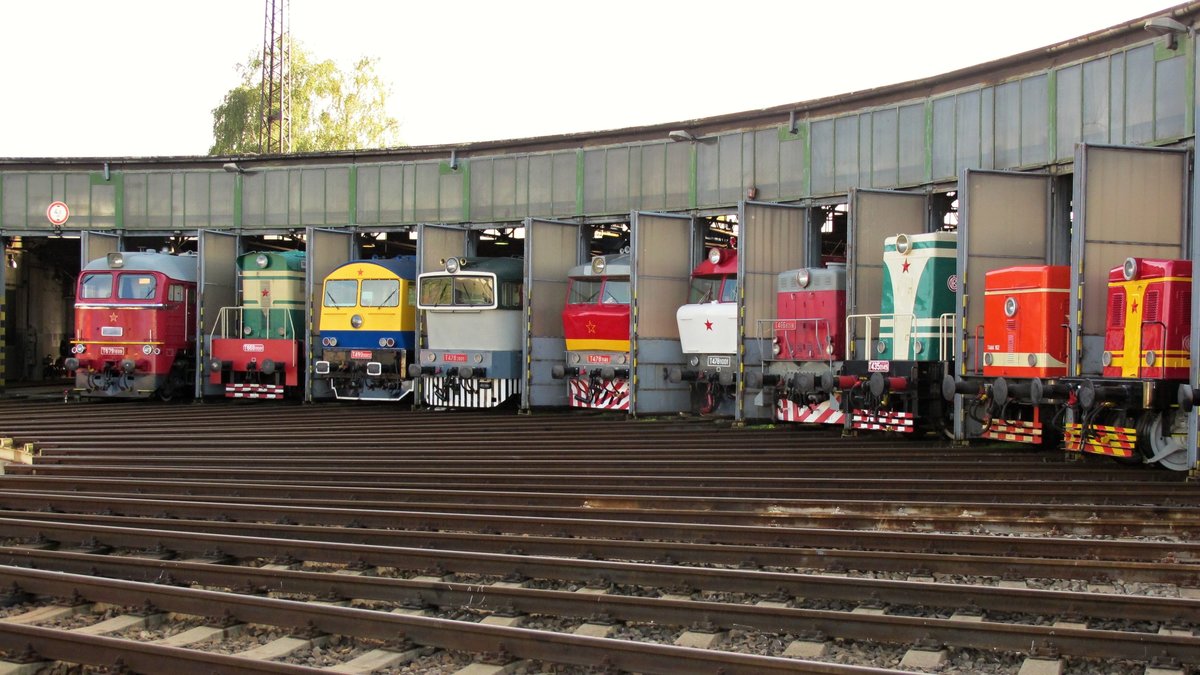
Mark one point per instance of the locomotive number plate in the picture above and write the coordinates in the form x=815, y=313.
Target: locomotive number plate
x=785, y=325
x=253, y=347
x=360, y=353
x=599, y=358
x=879, y=366
x=720, y=361
x=112, y=351
x=455, y=358
x=485, y=385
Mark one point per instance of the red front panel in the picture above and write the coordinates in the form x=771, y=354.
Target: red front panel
x=112, y=334
x=1149, y=320
x=1030, y=339
x=241, y=353
x=596, y=327
x=809, y=322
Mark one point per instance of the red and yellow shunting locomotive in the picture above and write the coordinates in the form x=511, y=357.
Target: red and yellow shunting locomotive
x=596, y=327
x=1130, y=411
x=135, y=326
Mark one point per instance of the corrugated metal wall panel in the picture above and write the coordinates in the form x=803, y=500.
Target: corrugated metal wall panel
x=1035, y=121
x=1139, y=96
x=195, y=200
x=945, y=126
x=424, y=192
x=911, y=141
x=968, y=111
x=731, y=174
x=678, y=176
x=884, y=147
x=654, y=178
x=1068, y=111
x=451, y=191
x=1116, y=119
x=1096, y=103
x=565, y=180
x=1007, y=142
x=617, y=182
x=1170, y=99
x=823, y=156
x=503, y=182
x=708, y=171
x=845, y=153
x=368, y=195
x=594, y=164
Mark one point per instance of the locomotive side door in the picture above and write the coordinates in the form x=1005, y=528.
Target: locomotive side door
x=771, y=238
x=551, y=250
x=1004, y=219
x=874, y=216
x=661, y=247
x=324, y=252
x=216, y=288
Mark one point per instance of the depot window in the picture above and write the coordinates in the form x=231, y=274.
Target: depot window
x=95, y=286
x=341, y=293
x=380, y=293
x=136, y=286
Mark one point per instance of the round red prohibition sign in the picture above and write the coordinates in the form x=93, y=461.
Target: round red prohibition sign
x=57, y=213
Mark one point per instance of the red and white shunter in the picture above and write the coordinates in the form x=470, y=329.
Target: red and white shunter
x=807, y=346
x=135, y=326
x=708, y=334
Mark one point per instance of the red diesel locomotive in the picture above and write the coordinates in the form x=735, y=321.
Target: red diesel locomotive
x=596, y=328
x=135, y=326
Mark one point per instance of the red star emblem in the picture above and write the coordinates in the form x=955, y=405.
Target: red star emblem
x=904, y=267
x=265, y=291
x=360, y=272
x=707, y=325
x=591, y=327
x=113, y=317
x=1134, y=309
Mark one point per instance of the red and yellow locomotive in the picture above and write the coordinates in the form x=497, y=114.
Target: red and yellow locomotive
x=596, y=328
x=1130, y=411
x=135, y=326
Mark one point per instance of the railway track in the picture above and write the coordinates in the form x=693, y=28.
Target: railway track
x=366, y=539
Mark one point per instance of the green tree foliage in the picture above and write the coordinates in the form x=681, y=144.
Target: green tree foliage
x=331, y=109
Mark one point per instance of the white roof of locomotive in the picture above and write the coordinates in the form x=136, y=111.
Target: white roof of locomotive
x=180, y=267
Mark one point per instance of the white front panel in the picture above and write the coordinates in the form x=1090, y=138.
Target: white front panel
x=494, y=330
x=710, y=328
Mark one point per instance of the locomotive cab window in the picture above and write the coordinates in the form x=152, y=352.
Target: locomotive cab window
x=704, y=289
x=380, y=293
x=457, y=291
x=729, y=290
x=136, y=286
x=95, y=286
x=510, y=295
x=616, y=292
x=176, y=293
x=583, y=291
x=341, y=293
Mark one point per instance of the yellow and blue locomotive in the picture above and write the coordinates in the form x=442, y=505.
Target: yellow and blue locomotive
x=368, y=329
x=475, y=327
x=135, y=321
x=256, y=346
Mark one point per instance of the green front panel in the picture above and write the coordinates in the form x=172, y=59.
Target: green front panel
x=273, y=297
x=918, y=289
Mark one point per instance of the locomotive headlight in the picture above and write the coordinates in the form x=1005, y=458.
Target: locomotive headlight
x=215, y=365
x=332, y=342
x=988, y=359
x=903, y=245
x=247, y=330
x=1010, y=307
x=829, y=347
x=574, y=358
x=1129, y=269
x=391, y=342
x=261, y=260
x=477, y=358
x=324, y=342
x=694, y=361
x=714, y=256
x=1151, y=357
x=356, y=321
x=803, y=277
x=599, y=264
x=382, y=342
x=430, y=357
x=1106, y=358
x=622, y=359
x=147, y=349
x=918, y=346
x=115, y=260
x=880, y=346
x=452, y=265
x=79, y=349
x=776, y=347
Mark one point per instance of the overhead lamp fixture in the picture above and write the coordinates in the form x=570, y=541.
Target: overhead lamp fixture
x=681, y=136
x=454, y=160
x=12, y=261
x=1165, y=25
x=233, y=167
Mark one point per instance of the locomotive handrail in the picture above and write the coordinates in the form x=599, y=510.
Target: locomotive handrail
x=222, y=322
x=867, y=323
x=818, y=323
x=946, y=340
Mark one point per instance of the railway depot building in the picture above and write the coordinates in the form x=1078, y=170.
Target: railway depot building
x=1079, y=153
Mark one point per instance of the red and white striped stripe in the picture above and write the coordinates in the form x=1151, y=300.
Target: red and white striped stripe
x=266, y=391
x=881, y=421
x=826, y=412
x=614, y=395
x=1016, y=431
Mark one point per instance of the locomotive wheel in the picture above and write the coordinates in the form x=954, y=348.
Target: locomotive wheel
x=1158, y=438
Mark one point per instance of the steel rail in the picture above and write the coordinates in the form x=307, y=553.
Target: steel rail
x=772, y=585
x=447, y=634
x=782, y=519
x=551, y=557
x=578, y=649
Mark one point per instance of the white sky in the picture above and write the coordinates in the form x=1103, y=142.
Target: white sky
x=141, y=77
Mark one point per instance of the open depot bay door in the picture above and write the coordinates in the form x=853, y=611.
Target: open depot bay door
x=325, y=251
x=772, y=238
x=94, y=245
x=661, y=266
x=551, y=250
x=217, y=288
x=1005, y=220
x=875, y=215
